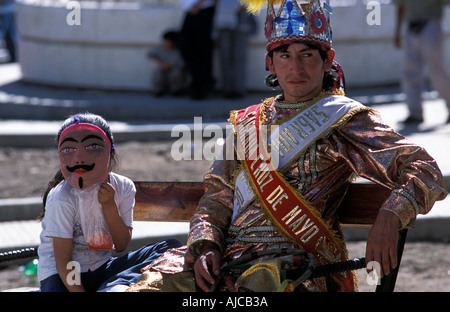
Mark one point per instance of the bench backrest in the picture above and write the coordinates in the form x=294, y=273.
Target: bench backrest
x=176, y=201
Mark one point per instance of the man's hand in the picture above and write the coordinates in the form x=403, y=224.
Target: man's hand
x=208, y=262
x=382, y=242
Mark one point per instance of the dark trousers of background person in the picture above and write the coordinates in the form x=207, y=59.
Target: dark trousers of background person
x=232, y=45
x=7, y=25
x=196, y=46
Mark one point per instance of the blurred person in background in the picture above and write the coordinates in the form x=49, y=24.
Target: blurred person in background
x=169, y=73
x=8, y=28
x=196, y=45
x=423, y=44
x=234, y=27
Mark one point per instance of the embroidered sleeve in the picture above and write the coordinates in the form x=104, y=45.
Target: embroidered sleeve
x=213, y=214
x=212, y=217
x=377, y=153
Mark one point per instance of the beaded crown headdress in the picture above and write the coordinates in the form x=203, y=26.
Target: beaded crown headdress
x=291, y=21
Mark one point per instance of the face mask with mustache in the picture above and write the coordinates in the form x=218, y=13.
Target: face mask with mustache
x=80, y=169
x=84, y=156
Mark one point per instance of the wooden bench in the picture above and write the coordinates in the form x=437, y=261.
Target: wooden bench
x=177, y=201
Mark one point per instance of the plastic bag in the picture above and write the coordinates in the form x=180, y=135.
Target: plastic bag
x=93, y=222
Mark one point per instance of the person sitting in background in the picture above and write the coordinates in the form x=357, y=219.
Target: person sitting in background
x=168, y=75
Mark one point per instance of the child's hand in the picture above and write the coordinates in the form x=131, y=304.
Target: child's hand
x=106, y=194
x=120, y=233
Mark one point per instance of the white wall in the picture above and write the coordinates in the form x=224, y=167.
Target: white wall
x=108, y=49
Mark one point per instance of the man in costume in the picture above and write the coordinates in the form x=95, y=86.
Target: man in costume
x=292, y=161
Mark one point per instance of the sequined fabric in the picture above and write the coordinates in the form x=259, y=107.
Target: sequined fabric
x=290, y=21
x=364, y=146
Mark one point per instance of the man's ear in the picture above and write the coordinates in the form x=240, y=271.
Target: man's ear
x=269, y=64
x=329, y=61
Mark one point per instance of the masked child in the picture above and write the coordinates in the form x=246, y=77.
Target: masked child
x=67, y=259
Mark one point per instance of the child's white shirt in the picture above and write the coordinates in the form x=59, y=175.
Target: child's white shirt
x=62, y=219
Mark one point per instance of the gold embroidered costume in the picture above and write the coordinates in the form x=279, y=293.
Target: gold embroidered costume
x=323, y=144
x=362, y=145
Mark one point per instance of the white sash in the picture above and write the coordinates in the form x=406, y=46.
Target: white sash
x=294, y=136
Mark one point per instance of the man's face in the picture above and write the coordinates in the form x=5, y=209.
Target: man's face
x=84, y=156
x=300, y=70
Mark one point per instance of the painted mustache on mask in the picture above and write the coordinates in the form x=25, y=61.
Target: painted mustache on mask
x=80, y=168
